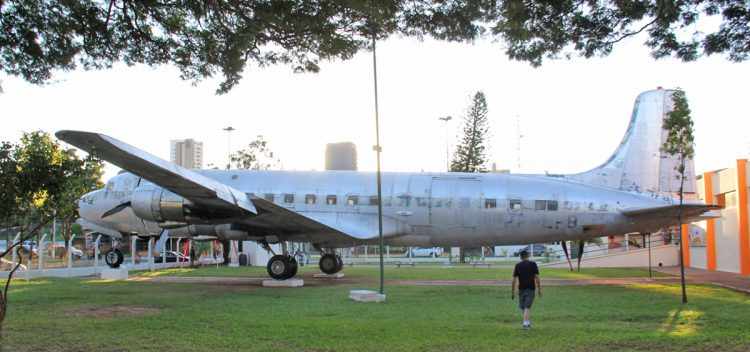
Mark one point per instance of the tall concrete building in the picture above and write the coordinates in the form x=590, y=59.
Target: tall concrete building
x=341, y=156
x=187, y=153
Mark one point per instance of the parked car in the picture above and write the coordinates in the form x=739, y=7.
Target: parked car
x=539, y=250
x=433, y=252
x=172, y=257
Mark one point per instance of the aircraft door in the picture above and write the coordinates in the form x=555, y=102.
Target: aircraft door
x=419, y=188
x=442, y=206
x=468, y=196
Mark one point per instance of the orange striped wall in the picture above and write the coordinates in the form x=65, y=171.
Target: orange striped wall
x=710, y=223
x=685, y=242
x=744, y=241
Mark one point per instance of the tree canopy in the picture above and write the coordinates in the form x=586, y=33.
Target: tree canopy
x=256, y=156
x=38, y=177
x=470, y=154
x=205, y=38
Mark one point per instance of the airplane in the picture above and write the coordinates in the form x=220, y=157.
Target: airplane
x=631, y=192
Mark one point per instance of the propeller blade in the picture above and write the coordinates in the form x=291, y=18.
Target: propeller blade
x=567, y=256
x=116, y=209
x=581, y=243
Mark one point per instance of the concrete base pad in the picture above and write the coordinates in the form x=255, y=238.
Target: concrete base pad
x=338, y=275
x=366, y=296
x=120, y=273
x=284, y=283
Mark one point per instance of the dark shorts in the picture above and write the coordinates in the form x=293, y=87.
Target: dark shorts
x=526, y=298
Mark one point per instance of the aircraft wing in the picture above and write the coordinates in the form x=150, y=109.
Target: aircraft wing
x=690, y=211
x=186, y=183
x=322, y=227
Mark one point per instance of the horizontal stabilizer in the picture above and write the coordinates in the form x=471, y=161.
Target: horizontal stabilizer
x=179, y=180
x=690, y=211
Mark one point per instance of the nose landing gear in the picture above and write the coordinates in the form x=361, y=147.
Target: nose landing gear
x=113, y=258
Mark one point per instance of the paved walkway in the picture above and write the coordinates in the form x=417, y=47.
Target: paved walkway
x=732, y=281
x=694, y=276
x=545, y=282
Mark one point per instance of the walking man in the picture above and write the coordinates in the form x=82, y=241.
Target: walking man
x=526, y=278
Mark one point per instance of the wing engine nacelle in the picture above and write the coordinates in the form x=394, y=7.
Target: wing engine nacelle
x=159, y=205
x=222, y=231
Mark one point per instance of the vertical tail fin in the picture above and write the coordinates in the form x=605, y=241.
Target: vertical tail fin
x=638, y=164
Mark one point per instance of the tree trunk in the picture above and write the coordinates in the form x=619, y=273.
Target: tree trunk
x=679, y=229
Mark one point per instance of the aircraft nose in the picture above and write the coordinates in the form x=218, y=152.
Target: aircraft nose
x=85, y=205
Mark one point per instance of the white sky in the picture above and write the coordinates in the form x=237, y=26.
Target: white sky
x=573, y=113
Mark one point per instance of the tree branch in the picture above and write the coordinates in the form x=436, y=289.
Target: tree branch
x=109, y=13
x=630, y=34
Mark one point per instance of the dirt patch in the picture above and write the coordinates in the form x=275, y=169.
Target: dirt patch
x=110, y=312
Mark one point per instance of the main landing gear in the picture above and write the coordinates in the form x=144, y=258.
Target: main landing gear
x=330, y=263
x=113, y=258
x=282, y=267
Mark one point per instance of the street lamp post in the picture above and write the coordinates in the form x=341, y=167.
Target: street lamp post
x=447, y=154
x=378, y=149
x=229, y=130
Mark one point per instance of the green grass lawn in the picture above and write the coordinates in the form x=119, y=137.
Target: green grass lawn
x=426, y=272
x=93, y=315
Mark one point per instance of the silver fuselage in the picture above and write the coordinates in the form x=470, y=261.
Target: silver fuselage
x=419, y=209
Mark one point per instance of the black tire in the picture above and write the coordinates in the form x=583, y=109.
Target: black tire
x=329, y=264
x=339, y=263
x=278, y=267
x=114, y=258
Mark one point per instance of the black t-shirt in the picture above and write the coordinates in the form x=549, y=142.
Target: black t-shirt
x=525, y=271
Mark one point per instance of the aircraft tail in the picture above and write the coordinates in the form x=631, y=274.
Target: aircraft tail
x=638, y=164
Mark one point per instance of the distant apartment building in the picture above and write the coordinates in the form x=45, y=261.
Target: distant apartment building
x=187, y=153
x=341, y=156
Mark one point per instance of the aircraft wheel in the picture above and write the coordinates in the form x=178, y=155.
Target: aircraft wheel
x=329, y=264
x=279, y=267
x=113, y=258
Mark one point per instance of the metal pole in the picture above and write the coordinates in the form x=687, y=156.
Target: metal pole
x=447, y=154
x=378, y=150
x=648, y=244
x=54, y=231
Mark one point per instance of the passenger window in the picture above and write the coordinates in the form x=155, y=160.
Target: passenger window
x=352, y=200
x=540, y=205
x=288, y=198
x=514, y=204
x=464, y=202
x=387, y=201
x=436, y=203
x=404, y=201
x=374, y=200
x=310, y=199
x=268, y=197
x=490, y=203
x=552, y=205
x=331, y=199
x=421, y=201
